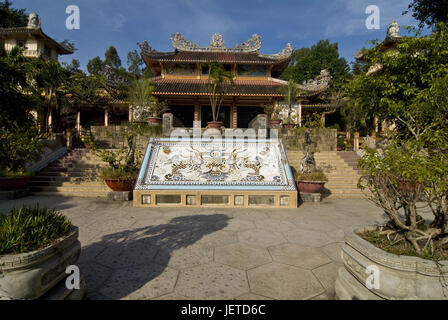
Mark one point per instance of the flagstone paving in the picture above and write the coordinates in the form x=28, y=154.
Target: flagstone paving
x=244, y=254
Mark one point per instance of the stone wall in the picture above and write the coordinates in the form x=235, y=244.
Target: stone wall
x=112, y=137
x=323, y=139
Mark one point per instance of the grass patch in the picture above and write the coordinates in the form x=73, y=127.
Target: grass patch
x=403, y=247
x=31, y=228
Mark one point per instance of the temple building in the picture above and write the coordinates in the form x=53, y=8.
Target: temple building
x=181, y=80
x=33, y=40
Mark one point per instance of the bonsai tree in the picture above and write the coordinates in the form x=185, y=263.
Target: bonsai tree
x=218, y=84
x=410, y=91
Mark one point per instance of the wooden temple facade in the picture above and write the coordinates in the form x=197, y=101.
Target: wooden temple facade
x=181, y=80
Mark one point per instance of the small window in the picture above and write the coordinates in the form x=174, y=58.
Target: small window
x=205, y=69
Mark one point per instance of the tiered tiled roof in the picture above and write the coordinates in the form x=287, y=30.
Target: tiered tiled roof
x=200, y=87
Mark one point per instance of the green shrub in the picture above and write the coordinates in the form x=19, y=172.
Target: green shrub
x=313, y=176
x=31, y=228
x=9, y=174
x=120, y=173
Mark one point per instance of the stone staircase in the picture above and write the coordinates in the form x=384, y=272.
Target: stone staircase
x=75, y=174
x=340, y=168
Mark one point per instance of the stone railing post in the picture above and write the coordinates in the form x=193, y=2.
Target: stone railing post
x=356, y=141
x=167, y=124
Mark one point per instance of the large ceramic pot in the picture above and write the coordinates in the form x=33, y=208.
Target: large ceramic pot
x=310, y=186
x=30, y=275
x=276, y=122
x=288, y=125
x=398, y=277
x=215, y=124
x=121, y=184
x=13, y=183
x=155, y=120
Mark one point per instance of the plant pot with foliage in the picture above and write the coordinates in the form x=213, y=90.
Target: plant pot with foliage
x=122, y=171
x=120, y=180
x=36, y=246
x=407, y=256
x=310, y=182
x=14, y=180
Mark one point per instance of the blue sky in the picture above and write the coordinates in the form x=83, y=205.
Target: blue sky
x=301, y=22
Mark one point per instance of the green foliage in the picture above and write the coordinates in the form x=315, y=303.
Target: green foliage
x=307, y=63
x=10, y=17
x=95, y=66
x=219, y=82
x=429, y=12
x=111, y=58
x=18, y=134
x=119, y=173
x=291, y=93
x=31, y=228
x=136, y=65
x=317, y=176
x=144, y=105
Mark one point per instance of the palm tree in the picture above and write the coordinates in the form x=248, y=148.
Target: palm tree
x=141, y=99
x=291, y=93
x=218, y=84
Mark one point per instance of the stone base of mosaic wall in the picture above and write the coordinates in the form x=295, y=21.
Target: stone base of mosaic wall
x=112, y=137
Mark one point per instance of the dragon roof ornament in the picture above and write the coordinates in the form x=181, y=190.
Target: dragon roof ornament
x=285, y=53
x=319, y=83
x=216, y=44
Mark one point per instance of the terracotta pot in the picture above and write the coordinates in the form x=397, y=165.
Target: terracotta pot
x=288, y=125
x=215, y=124
x=13, y=183
x=87, y=146
x=310, y=186
x=155, y=120
x=275, y=121
x=121, y=184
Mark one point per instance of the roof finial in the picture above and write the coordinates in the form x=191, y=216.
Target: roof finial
x=33, y=21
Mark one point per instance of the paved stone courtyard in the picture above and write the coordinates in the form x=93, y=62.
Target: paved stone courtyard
x=165, y=253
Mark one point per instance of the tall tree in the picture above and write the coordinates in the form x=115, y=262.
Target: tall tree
x=307, y=63
x=10, y=17
x=112, y=58
x=73, y=67
x=95, y=66
x=429, y=12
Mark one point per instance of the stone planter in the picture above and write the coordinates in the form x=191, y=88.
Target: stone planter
x=400, y=277
x=215, y=124
x=13, y=183
x=30, y=275
x=120, y=185
x=309, y=186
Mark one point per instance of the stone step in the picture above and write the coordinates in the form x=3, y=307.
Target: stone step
x=98, y=183
x=80, y=188
x=91, y=194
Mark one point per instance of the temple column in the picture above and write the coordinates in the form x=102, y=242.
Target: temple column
x=50, y=119
x=130, y=114
x=234, y=111
x=323, y=120
x=106, y=117
x=197, y=112
x=78, y=121
x=300, y=114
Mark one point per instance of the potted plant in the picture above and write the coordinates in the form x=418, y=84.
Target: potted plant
x=291, y=93
x=36, y=246
x=18, y=148
x=122, y=172
x=341, y=143
x=273, y=114
x=311, y=182
x=409, y=252
x=145, y=107
x=219, y=82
